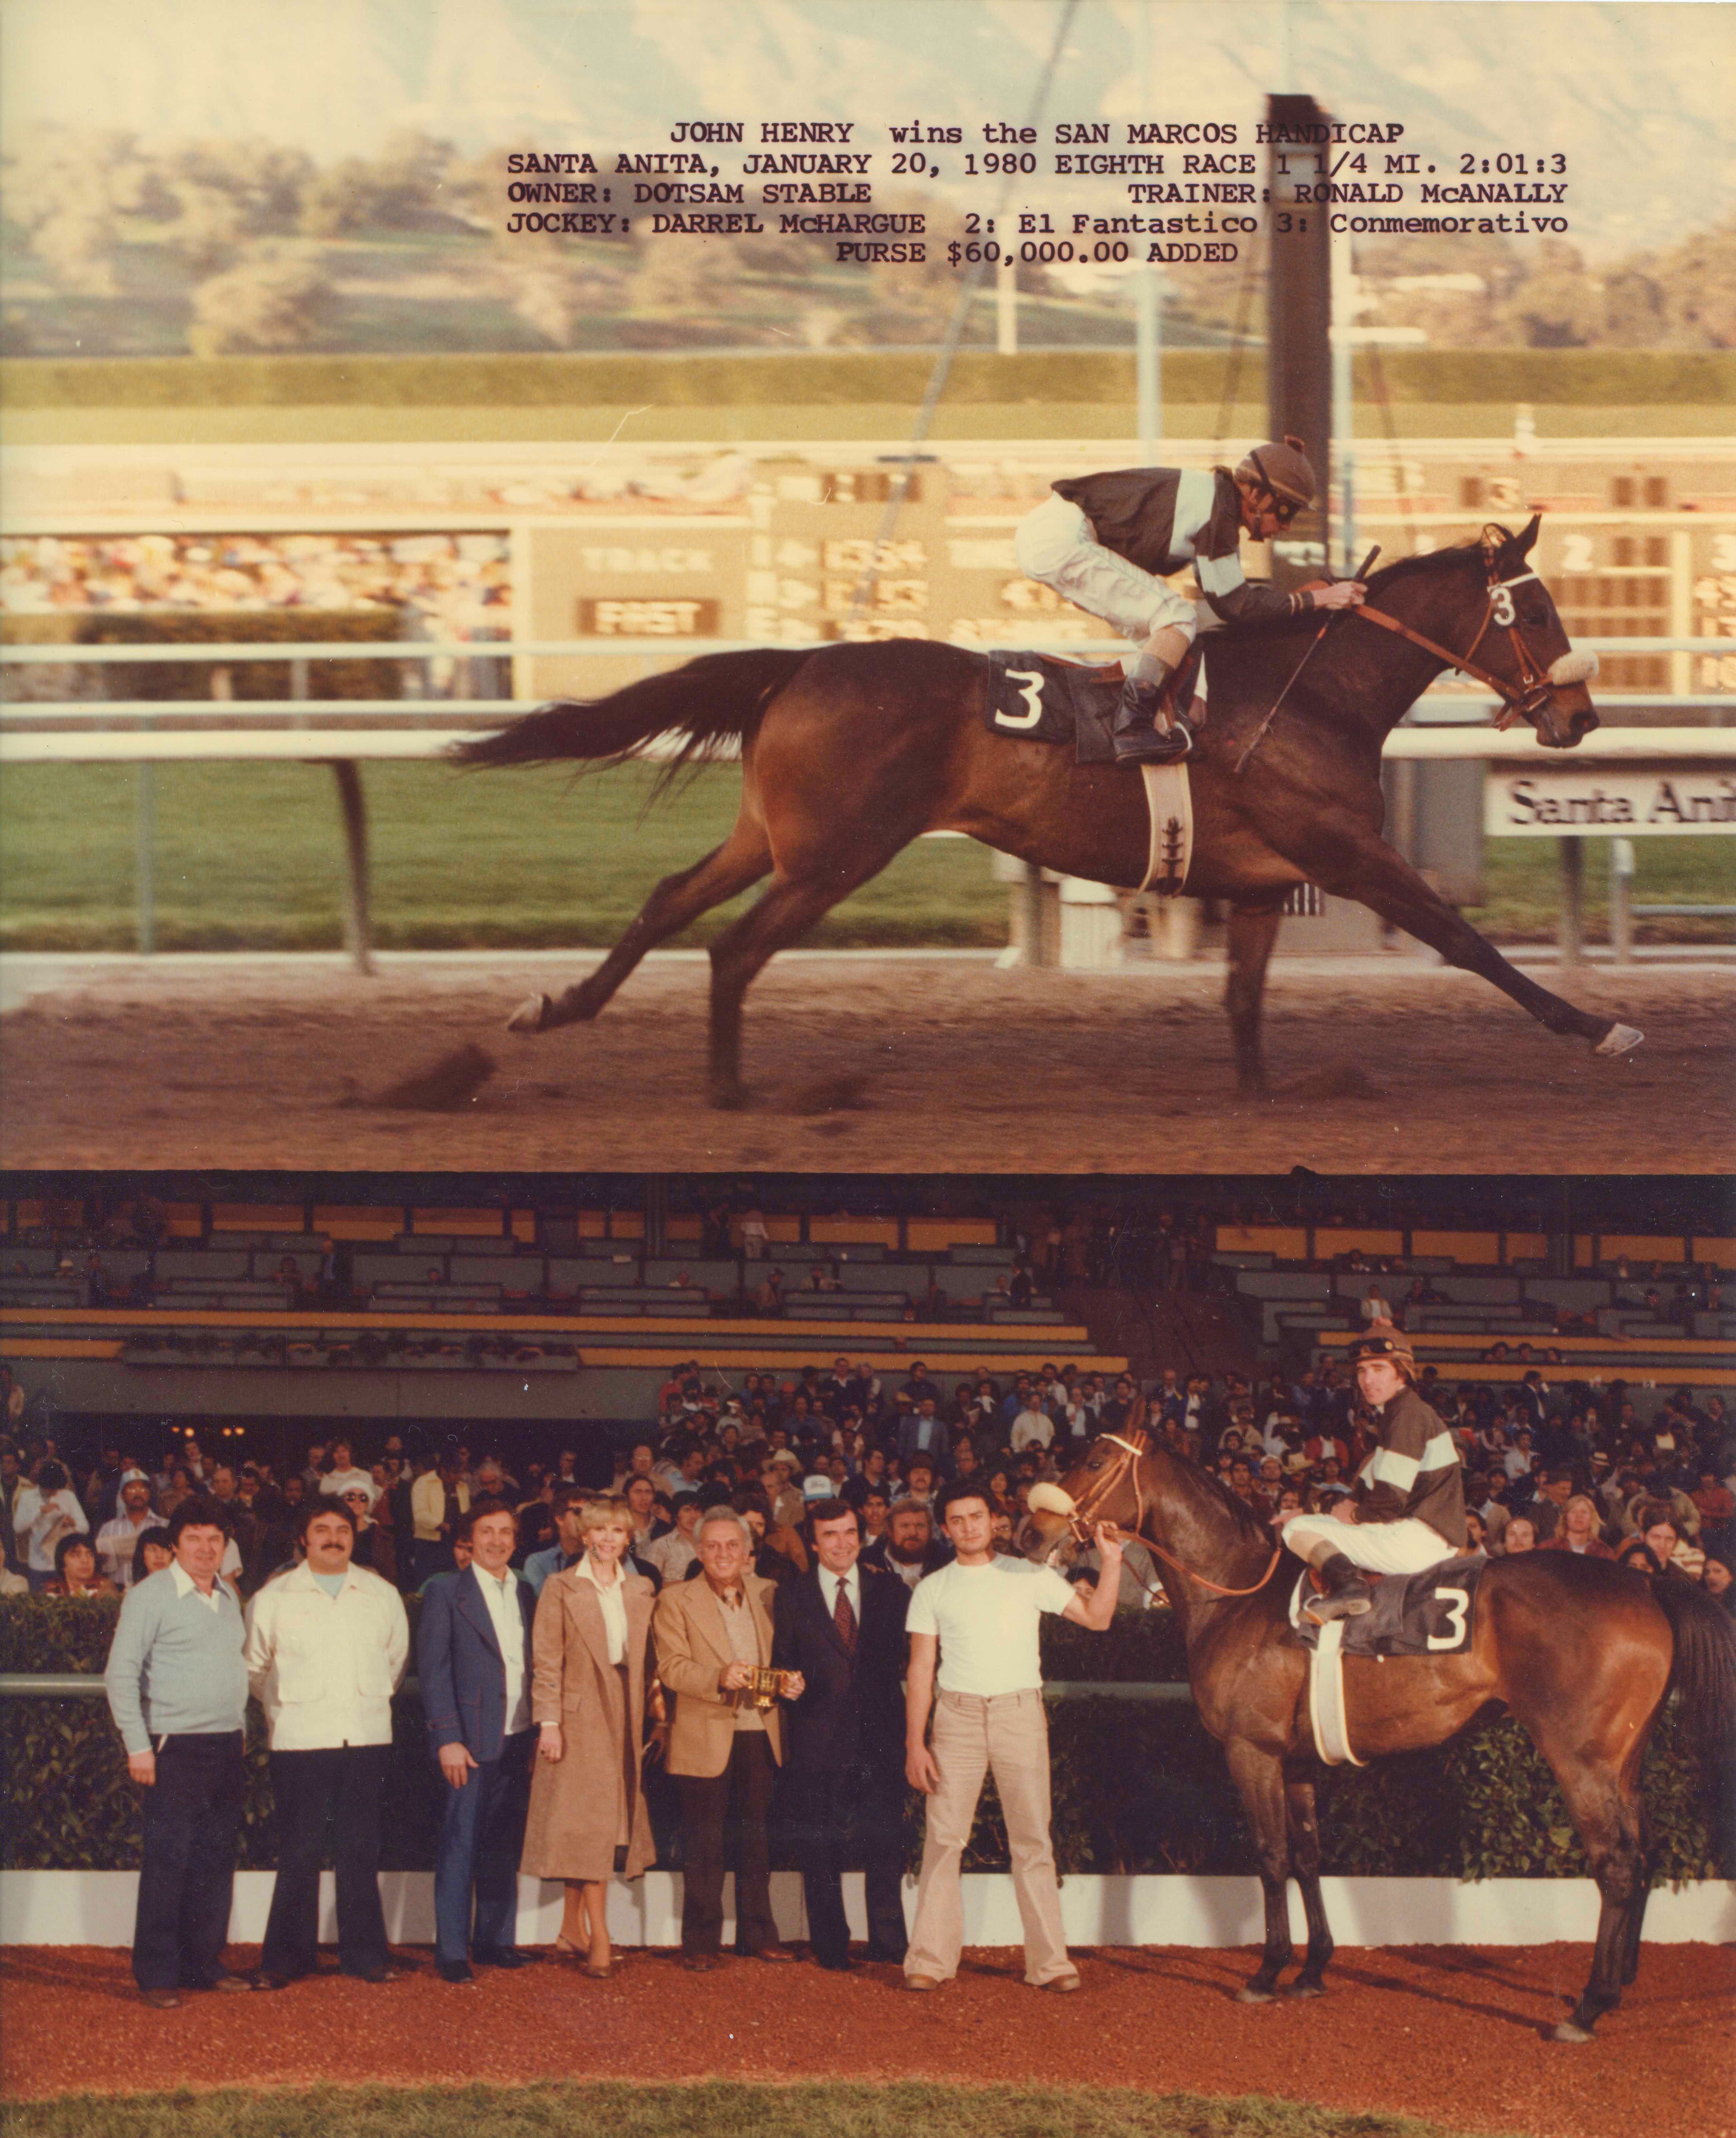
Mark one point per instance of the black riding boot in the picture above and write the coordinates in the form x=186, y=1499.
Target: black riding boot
x=1137, y=737
x=1347, y=1594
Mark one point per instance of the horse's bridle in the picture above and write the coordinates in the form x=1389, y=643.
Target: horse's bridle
x=1079, y=1514
x=1522, y=702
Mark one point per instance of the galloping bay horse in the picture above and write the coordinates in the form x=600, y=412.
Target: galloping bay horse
x=851, y=751
x=1581, y=1650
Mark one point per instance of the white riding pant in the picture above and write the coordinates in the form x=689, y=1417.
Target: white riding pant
x=1402, y=1547
x=1057, y=546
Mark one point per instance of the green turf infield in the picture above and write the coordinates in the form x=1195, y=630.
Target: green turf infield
x=713, y=2108
x=249, y=857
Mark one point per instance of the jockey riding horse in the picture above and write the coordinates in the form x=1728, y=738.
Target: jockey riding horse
x=1108, y=542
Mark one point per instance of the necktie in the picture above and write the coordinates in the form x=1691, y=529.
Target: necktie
x=844, y=1619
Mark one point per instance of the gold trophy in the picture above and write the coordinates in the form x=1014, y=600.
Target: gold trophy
x=766, y=1687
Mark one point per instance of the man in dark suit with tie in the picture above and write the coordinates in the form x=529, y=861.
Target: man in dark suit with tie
x=473, y=1655
x=841, y=1625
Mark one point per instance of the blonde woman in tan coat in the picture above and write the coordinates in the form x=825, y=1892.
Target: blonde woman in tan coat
x=588, y=1818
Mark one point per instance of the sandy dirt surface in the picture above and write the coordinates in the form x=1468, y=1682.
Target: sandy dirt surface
x=1454, y=2034
x=893, y=1064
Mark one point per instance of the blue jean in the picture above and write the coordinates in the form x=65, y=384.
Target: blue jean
x=482, y=1835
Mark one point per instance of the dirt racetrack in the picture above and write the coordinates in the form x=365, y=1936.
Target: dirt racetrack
x=1454, y=2034
x=895, y=1064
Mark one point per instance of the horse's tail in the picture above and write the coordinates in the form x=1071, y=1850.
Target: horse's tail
x=1703, y=1669
x=716, y=699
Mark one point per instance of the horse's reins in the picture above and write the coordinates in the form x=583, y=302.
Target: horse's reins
x=1516, y=704
x=1078, y=1513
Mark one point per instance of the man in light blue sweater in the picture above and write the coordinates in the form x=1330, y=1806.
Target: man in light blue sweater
x=178, y=1690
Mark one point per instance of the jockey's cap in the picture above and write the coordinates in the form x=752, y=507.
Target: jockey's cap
x=1382, y=1340
x=1283, y=469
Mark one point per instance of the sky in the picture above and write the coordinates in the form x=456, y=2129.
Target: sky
x=1636, y=95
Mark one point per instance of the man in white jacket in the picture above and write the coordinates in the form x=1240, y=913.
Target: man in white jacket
x=327, y=1643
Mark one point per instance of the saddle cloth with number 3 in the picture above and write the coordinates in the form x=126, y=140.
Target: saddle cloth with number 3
x=1414, y=1614
x=1033, y=697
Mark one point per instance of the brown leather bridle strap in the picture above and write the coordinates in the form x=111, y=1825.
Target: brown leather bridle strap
x=1534, y=683
x=1079, y=1520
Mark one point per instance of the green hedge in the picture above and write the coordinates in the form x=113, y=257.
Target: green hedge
x=1136, y=1788
x=845, y=378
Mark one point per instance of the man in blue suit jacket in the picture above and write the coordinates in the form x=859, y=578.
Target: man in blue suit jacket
x=473, y=1654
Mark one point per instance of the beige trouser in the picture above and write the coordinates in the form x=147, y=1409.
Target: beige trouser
x=1010, y=1734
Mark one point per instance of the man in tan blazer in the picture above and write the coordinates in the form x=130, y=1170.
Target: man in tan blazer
x=710, y=1633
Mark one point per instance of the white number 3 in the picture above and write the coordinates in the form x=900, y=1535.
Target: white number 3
x=1502, y=600
x=1458, y=1604
x=1032, y=694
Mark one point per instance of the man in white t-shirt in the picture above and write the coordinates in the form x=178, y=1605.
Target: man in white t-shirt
x=981, y=1614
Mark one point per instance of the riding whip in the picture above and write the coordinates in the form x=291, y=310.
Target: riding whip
x=1361, y=572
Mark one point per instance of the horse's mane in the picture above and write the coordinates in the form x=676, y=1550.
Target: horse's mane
x=1493, y=537
x=1247, y=1523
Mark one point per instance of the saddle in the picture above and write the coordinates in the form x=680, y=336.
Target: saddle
x=1036, y=697
x=1414, y=1614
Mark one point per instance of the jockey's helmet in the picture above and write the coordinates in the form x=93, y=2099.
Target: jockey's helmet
x=1382, y=1340
x=1283, y=470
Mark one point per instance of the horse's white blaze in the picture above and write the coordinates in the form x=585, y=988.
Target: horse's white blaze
x=1573, y=668
x=1616, y=1040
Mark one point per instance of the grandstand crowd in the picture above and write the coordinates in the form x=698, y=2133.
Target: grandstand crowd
x=1551, y=1464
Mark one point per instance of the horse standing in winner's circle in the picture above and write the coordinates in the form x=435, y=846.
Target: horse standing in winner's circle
x=851, y=751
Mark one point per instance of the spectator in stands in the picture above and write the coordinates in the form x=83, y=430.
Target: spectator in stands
x=1579, y=1529
x=924, y=1432
x=768, y=1294
x=42, y=1514
x=151, y=1553
x=76, y=1570
x=755, y=1234
x=1032, y=1427
x=981, y=1614
x=1715, y=1502
x=343, y=1473
x=326, y=1648
x=594, y=1696
x=1635, y=1552
x=372, y=1549
x=1719, y=1582
x=116, y=1541
x=1375, y=1305
x=1518, y=1536
x=673, y=1555
x=1476, y=1535
x=712, y=1634
x=908, y=1548
x=874, y=1508
x=178, y=1690
x=473, y=1654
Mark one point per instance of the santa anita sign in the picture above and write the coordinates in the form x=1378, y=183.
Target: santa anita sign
x=1546, y=804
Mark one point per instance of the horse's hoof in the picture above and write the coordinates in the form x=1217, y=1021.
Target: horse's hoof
x=531, y=1016
x=1250, y=1995
x=1304, y=1990
x=1618, y=1039
x=1568, y=2032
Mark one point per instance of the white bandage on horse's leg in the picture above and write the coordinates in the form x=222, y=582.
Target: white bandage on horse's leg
x=1573, y=668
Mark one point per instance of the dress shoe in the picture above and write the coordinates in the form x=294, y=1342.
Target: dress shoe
x=160, y=2000
x=221, y=1980
x=504, y=1955
x=884, y=1958
x=457, y=1972
x=842, y=1964
x=1061, y=1984
x=375, y=1976
x=922, y=1982
x=701, y=1962
x=771, y=1952
x=262, y=1977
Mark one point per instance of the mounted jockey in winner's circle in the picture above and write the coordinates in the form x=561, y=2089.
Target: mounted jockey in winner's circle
x=1108, y=543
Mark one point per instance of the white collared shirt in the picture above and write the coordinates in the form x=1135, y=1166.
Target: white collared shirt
x=850, y=1584
x=502, y=1598
x=613, y=1600
x=185, y=1585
